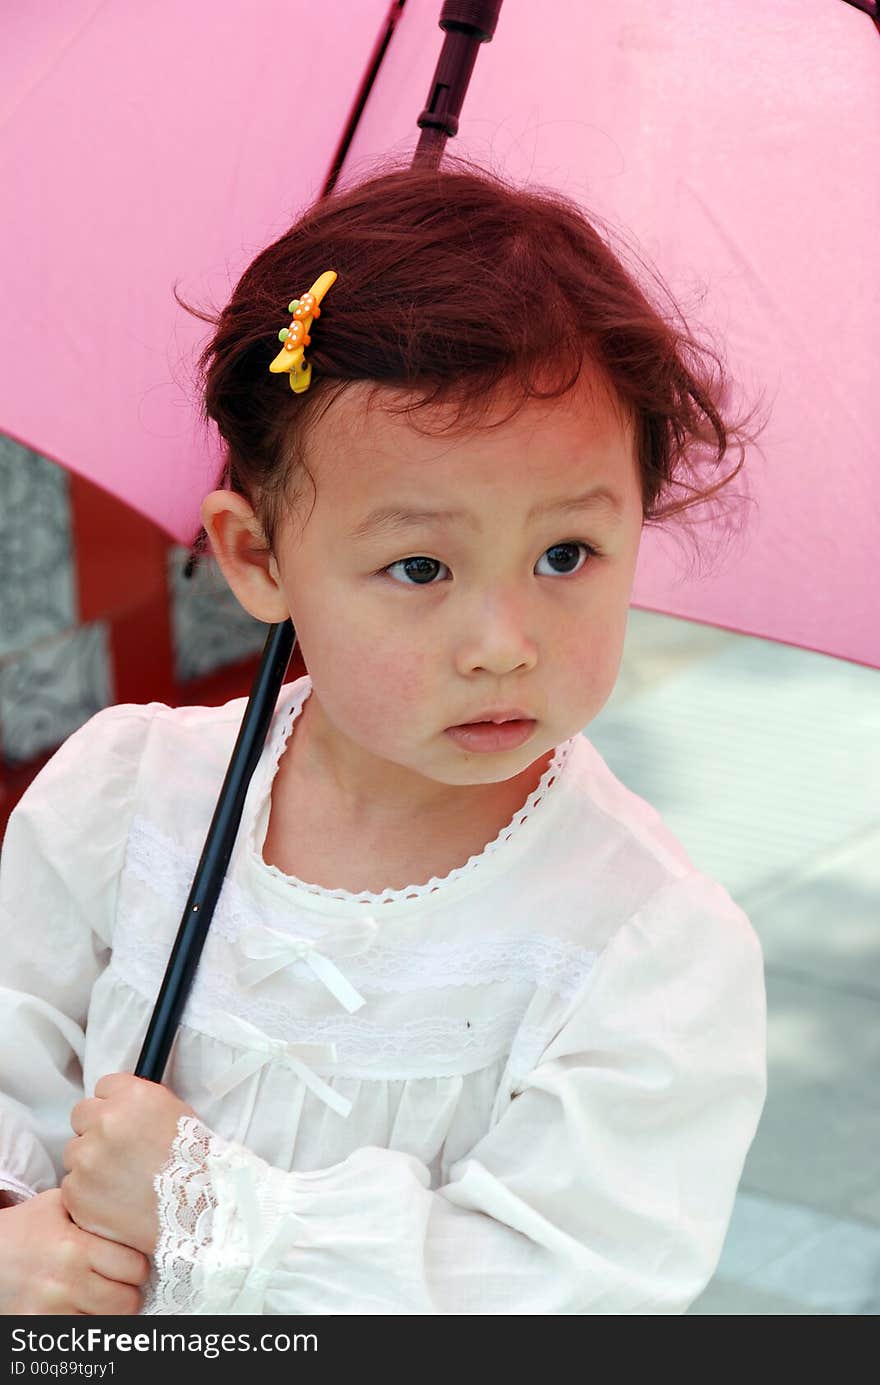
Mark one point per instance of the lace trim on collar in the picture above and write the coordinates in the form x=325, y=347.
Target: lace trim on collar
x=527, y=953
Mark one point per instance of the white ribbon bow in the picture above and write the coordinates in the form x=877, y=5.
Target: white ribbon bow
x=234, y=1030
x=270, y=950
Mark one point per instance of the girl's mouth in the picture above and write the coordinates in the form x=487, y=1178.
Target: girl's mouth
x=489, y=735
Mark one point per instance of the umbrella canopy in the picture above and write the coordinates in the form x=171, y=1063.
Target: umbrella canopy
x=144, y=147
x=147, y=147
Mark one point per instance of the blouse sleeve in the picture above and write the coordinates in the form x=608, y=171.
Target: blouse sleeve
x=59, y=869
x=606, y=1186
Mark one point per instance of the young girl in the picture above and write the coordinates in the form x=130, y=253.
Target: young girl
x=470, y=1032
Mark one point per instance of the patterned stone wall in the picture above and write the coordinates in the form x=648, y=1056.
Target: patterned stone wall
x=95, y=609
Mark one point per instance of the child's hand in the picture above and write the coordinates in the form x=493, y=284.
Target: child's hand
x=50, y=1266
x=124, y=1135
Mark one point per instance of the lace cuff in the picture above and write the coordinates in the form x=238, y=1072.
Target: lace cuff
x=187, y=1204
x=223, y=1226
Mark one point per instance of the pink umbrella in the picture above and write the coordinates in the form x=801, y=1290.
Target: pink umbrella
x=141, y=149
x=701, y=128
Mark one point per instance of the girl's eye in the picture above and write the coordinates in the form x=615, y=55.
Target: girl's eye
x=422, y=568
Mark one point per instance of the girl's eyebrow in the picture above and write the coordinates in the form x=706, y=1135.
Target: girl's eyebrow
x=387, y=518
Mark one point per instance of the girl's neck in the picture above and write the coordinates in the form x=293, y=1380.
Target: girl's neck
x=314, y=768
x=313, y=836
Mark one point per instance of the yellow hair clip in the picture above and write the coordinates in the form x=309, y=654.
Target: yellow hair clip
x=296, y=337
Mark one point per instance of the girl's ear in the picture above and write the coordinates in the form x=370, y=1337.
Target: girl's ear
x=239, y=545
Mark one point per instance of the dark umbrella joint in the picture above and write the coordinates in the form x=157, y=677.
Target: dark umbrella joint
x=870, y=7
x=467, y=24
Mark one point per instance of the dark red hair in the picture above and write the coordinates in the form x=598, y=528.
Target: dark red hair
x=454, y=284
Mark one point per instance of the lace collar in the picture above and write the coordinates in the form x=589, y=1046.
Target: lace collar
x=530, y=821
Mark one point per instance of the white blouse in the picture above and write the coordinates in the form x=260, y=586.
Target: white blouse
x=526, y=1087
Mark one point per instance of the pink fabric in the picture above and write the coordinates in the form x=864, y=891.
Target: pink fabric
x=143, y=147
x=732, y=144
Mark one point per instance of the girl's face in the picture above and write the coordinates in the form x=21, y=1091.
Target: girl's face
x=411, y=626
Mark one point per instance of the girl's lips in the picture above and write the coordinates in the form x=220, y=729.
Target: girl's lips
x=486, y=736
x=498, y=714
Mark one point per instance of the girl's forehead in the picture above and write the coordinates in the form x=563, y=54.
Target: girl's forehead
x=362, y=441
x=389, y=481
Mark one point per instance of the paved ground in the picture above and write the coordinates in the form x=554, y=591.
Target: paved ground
x=765, y=761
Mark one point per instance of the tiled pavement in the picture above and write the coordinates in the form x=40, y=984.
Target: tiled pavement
x=765, y=762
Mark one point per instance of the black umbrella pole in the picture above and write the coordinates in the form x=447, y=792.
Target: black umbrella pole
x=211, y=871
x=467, y=24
